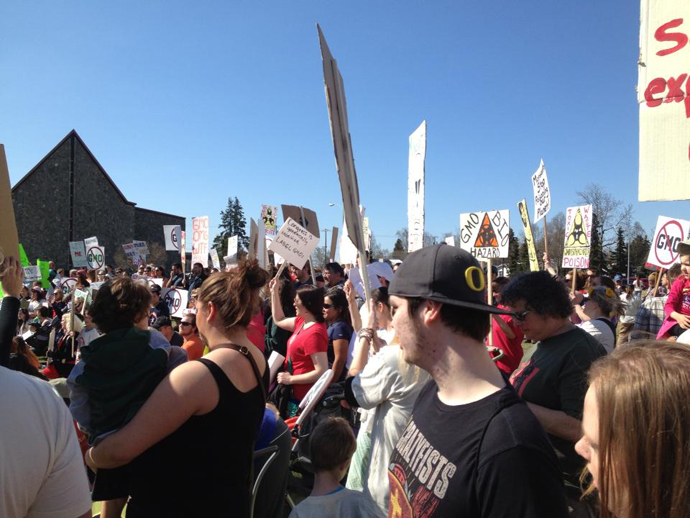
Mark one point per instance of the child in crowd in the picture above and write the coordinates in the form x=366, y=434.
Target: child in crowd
x=332, y=445
x=677, y=306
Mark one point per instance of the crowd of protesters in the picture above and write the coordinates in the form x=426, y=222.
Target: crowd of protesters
x=553, y=400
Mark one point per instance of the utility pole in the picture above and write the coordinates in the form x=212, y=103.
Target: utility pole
x=325, y=247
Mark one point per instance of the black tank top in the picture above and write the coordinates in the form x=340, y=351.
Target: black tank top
x=204, y=468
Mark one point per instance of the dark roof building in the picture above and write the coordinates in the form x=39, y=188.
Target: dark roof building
x=68, y=196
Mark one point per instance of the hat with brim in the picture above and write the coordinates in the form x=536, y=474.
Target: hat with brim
x=445, y=274
x=683, y=248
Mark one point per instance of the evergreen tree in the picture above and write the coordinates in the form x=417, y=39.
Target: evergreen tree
x=620, y=255
x=232, y=223
x=596, y=252
x=513, y=253
x=524, y=257
x=639, y=251
x=399, y=249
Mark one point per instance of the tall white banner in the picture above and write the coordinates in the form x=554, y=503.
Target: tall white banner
x=415, y=189
x=662, y=94
x=200, y=240
x=542, y=194
x=172, y=237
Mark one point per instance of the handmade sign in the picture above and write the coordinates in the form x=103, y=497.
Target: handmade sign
x=269, y=215
x=44, y=267
x=542, y=194
x=232, y=248
x=663, y=97
x=669, y=232
x=90, y=241
x=578, y=236
x=529, y=238
x=32, y=273
x=253, y=239
x=172, y=237
x=415, y=189
x=200, y=240
x=130, y=252
x=215, y=259
x=9, y=241
x=81, y=300
x=95, y=257
x=348, y=251
x=310, y=221
x=334, y=244
x=294, y=243
x=176, y=299
x=261, y=252
x=78, y=253
x=23, y=258
x=485, y=234
x=67, y=284
x=183, y=250
x=450, y=240
x=141, y=247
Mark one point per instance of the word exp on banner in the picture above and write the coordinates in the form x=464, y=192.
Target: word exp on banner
x=293, y=243
x=542, y=194
x=664, y=250
x=578, y=237
x=176, y=300
x=485, y=234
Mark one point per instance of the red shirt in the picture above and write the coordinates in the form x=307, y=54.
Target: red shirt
x=302, y=344
x=512, y=348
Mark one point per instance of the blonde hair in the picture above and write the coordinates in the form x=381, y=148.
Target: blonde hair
x=642, y=391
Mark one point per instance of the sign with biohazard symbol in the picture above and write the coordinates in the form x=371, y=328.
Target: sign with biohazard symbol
x=269, y=214
x=578, y=236
x=669, y=232
x=485, y=234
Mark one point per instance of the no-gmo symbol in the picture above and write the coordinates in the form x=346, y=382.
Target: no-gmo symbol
x=95, y=257
x=173, y=299
x=666, y=242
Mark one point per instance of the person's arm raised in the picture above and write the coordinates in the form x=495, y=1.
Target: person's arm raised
x=186, y=391
x=277, y=309
x=352, y=306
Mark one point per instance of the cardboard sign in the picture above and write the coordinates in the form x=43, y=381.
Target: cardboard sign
x=578, y=237
x=231, y=256
x=78, y=253
x=91, y=241
x=141, y=247
x=415, y=189
x=32, y=273
x=310, y=221
x=172, y=237
x=529, y=238
x=269, y=215
x=200, y=240
x=215, y=259
x=9, y=241
x=176, y=299
x=294, y=243
x=95, y=257
x=669, y=232
x=334, y=244
x=662, y=95
x=485, y=234
x=542, y=194
x=450, y=240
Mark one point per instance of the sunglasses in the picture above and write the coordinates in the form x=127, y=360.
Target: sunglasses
x=522, y=315
x=327, y=306
x=185, y=323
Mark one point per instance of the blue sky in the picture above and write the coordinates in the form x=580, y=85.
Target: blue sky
x=187, y=103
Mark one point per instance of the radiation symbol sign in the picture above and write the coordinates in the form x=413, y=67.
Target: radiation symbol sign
x=578, y=236
x=485, y=234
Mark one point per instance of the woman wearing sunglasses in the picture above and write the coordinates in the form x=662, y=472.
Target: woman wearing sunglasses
x=337, y=316
x=553, y=381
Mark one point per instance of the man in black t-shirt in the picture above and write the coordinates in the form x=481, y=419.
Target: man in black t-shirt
x=472, y=448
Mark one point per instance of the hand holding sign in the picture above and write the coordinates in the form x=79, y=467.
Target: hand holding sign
x=293, y=243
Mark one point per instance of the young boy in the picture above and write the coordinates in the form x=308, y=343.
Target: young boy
x=332, y=445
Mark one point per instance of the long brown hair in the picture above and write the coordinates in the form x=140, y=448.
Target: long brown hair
x=642, y=393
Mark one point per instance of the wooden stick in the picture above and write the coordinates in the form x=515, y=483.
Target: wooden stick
x=490, y=300
x=280, y=270
x=546, y=240
x=658, y=280
x=574, y=280
x=71, y=316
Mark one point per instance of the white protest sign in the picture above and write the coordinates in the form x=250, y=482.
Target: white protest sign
x=542, y=194
x=141, y=247
x=172, y=237
x=78, y=253
x=232, y=249
x=669, y=232
x=183, y=250
x=293, y=243
x=662, y=95
x=95, y=257
x=578, y=237
x=485, y=234
x=200, y=240
x=91, y=241
x=67, y=284
x=415, y=189
x=450, y=240
x=129, y=250
x=348, y=251
x=32, y=273
x=529, y=238
x=176, y=299
x=215, y=259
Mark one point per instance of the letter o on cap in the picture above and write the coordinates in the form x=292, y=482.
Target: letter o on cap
x=469, y=278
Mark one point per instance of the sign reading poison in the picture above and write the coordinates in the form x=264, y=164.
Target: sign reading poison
x=95, y=257
x=578, y=237
x=669, y=232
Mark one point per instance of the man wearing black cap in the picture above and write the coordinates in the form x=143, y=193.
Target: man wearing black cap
x=164, y=325
x=472, y=447
x=158, y=307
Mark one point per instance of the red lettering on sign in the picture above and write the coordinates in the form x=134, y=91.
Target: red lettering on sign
x=675, y=88
x=680, y=38
x=655, y=86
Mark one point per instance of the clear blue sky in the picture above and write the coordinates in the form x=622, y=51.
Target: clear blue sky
x=187, y=103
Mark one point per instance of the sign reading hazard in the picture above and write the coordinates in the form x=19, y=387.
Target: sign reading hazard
x=669, y=232
x=485, y=234
x=578, y=236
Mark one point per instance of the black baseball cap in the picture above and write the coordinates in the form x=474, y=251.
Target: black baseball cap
x=155, y=288
x=683, y=248
x=446, y=274
x=160, y=322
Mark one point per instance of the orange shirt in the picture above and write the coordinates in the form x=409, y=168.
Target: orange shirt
x=194, y=347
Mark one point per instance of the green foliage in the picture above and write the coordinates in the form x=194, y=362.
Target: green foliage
x=232, y=223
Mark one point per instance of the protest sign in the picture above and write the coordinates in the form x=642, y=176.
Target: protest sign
x=415, y=189
x=183, y=250
x=261, y=251
x=231, y=256
x=664, y=101
x=377, y=271
x=450, y=240
x=130, y=252
x=176, y=299
x=485, y=234
x=253, y=238
x=200, y=240
x=294, y=243
x=67, y=284
x=269, y=215
x=348, y=251
x=334, y=244
x=542, y=194
x=141, y=247
x=95, y=257
x=32, y=273
x=172, y=237
x=529, y=238
x=44, y=267
x=90, y=241
x=578, y=236
x=81, y=300
x=669, y=232
x=215, y=259
x=78, y=253
x=23, y=258
x=9, y=241
x=305, y=217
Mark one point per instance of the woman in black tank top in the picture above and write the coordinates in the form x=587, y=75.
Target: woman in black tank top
x=192, y=442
